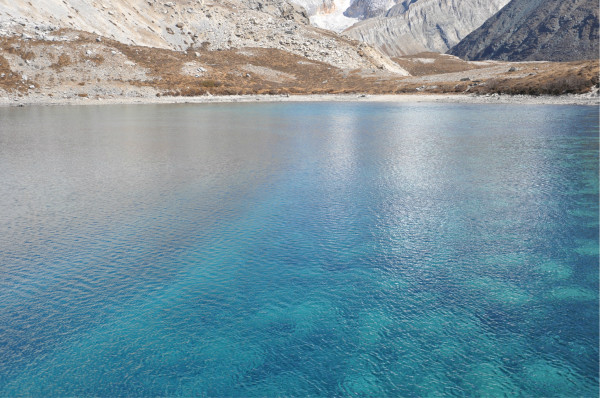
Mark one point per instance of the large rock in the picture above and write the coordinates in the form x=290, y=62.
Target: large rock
x=535, y=30
x=413, y=26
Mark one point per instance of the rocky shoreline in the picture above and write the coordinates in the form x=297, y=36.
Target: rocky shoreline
x=582, y=99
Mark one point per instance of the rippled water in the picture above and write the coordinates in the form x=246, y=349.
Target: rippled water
x=299, y=249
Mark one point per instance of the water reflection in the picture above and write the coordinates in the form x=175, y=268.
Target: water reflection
x=298, y=249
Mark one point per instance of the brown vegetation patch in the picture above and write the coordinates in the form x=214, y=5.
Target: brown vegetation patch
x=20, y=50
x=271, y=71
x=430, y=63
x=10, y=81
x=226, y=75
x=97, y=59
x=228, y=70
x=63, y=61
x=558, y=78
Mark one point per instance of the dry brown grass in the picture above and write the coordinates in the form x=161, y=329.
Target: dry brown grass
x=63, y=61
x=227, y=72
x=10, y=81
x=21, y=50
x=97, y=59
x=440, y=64
x=319, y=78
x=560, y=78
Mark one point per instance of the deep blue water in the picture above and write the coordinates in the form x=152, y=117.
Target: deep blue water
x=320, y=249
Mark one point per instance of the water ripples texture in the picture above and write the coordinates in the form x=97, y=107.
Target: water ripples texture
x=299, y=250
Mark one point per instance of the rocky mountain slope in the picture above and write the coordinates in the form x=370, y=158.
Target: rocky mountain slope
x=84, y=50
x=528, y=30
x=413, y=26
x=75, y=66
x=192, y=24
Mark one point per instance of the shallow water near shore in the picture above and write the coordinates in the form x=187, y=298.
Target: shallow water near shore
x=299, y=249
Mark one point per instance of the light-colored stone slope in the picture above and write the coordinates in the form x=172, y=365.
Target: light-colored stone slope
x=424, y=25
x=189, y=24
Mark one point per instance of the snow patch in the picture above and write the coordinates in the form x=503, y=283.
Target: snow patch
x=424, y=60
x=328, y=14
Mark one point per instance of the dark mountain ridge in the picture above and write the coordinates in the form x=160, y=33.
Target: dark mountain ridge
x=536, y=30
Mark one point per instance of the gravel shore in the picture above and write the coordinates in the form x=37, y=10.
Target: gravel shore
x=585, y=99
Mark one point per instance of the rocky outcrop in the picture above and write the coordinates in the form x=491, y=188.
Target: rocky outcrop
x=190, y=24
x=534, y=30
x=413, y=26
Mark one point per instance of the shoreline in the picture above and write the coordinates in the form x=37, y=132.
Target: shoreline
x=570, y=99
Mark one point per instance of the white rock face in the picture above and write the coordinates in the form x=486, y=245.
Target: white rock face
x=413, y=26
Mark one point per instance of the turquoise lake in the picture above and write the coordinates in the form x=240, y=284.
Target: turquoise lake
x=299, y=249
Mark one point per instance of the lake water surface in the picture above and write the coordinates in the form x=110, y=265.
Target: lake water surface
x=315, y=249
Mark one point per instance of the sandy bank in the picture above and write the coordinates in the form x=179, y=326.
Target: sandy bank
x=586, y=99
